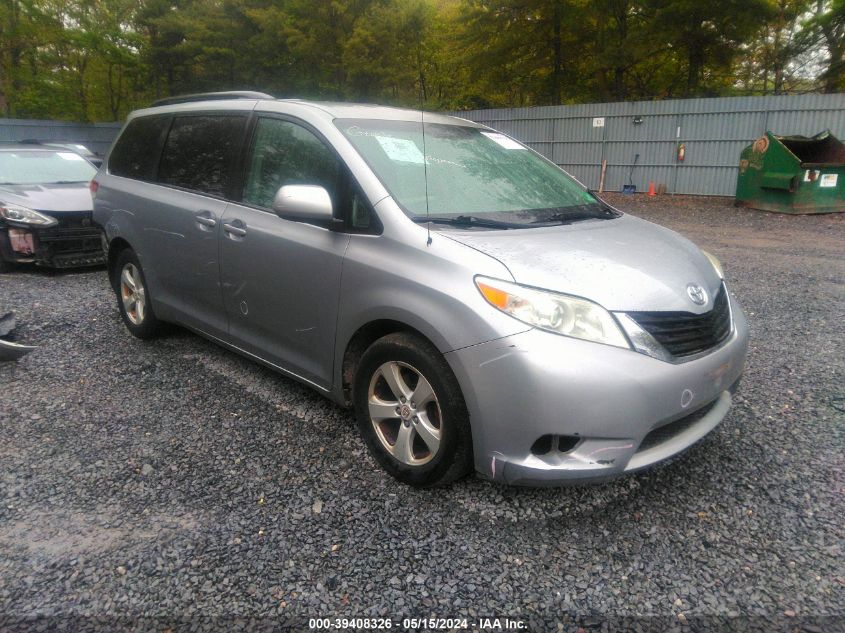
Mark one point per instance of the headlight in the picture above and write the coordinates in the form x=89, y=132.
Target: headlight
x=553, y=312
x=24, y=215
x=716, y=264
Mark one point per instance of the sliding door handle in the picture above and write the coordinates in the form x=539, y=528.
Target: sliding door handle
x=233, y=229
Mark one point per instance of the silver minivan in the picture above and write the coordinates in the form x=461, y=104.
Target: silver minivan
x=475, y=305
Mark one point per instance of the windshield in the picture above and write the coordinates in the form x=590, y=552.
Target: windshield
x=41, y=167
x=473, y=174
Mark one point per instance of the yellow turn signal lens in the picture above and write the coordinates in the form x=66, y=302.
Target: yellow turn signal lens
x=498, y=298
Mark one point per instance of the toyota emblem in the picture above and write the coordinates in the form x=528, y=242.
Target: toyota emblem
x=697, y=294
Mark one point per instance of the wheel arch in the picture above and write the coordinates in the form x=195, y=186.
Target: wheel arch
x=358, y=343
x=116, y=247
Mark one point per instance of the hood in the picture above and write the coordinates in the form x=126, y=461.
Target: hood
x=625, y=264
x=49, y=198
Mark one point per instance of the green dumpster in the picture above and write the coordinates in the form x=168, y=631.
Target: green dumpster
x=793, y=174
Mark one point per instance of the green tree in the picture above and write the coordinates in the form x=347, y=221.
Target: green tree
x=315, y=32
x=98, y=59
x=388, y=54
x=18, y=20
x=626, y=58
x=706, y=39
x=775, y=61
x=521, y=52
x=826, y=28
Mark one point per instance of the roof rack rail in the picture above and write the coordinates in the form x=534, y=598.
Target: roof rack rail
x=211, y=96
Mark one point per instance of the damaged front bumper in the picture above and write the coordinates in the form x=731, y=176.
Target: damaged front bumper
x=75, y=241
x=552, y=410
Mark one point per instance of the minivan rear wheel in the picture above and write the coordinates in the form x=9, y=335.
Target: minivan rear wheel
x=411, y=412
x=133, y=297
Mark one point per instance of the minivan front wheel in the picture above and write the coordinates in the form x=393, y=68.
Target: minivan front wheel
x=133, y=297
x=411, y=413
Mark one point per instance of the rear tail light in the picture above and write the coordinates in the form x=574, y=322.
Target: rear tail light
x=93, y=186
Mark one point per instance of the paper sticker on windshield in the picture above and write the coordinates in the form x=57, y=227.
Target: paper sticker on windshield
x=401, y=150
x=70, y=156
x=828, y=180
x=504, y=141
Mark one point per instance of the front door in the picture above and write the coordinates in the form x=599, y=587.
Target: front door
x=280, y=278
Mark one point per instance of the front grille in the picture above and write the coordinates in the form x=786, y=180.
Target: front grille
x=74, y=234
x=666, y=432
x=685, y=333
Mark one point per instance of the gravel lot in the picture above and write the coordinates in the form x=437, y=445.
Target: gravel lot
x=176, y=481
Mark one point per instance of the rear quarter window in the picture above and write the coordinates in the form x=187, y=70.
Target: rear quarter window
x=201, y=151
x=135, y=155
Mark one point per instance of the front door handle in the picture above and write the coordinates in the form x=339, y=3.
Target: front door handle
x=234, y=230
x=205, y=219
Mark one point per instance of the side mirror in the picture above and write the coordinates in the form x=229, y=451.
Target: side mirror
x=303, y=202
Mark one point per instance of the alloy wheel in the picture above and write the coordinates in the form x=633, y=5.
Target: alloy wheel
x=132, y=293
x=405, y=413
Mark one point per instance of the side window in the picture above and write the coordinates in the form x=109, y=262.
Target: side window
x=360, y=217
x=284, y=153
x=201, y=151
x=137, y=149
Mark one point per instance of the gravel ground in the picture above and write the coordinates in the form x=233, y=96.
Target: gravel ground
x=178, y=482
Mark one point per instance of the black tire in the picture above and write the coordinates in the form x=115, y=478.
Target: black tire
x=447, y=411
x=143, y=324
x=6, y=267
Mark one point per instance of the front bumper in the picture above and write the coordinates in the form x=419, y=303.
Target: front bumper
x=75, y=241
x=622, y=410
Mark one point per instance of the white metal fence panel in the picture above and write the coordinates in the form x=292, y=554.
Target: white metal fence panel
x=640, y=139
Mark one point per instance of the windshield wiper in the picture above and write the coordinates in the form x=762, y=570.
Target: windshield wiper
x=65, y=182
x=468, y=220
x=576, y=215
x=569, y=218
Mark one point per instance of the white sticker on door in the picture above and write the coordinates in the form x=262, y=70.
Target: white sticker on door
x=401, y=150
x=828, y=180
x=504, y=141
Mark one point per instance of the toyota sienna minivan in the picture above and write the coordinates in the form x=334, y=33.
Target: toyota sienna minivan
x=477, y=306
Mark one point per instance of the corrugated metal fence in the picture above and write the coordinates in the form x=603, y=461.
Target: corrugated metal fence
x=95, y=136
x=713, y=131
